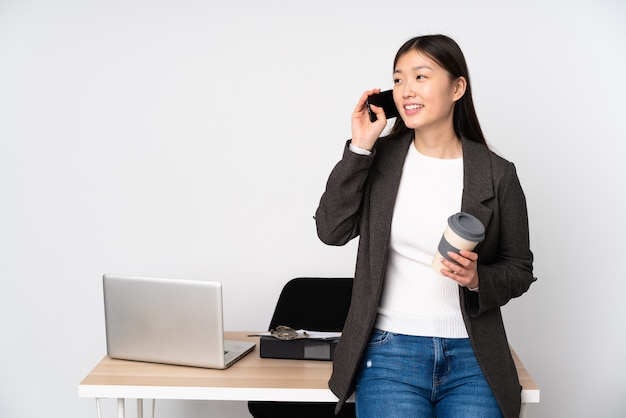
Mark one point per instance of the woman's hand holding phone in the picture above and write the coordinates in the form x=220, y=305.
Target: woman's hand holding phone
x=364, y=132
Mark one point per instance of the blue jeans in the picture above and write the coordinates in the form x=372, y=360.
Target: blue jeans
x=404, y=376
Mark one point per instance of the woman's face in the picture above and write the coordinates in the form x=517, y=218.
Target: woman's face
x=424, y=92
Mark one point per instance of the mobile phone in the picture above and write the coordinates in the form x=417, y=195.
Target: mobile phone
x=383, y=99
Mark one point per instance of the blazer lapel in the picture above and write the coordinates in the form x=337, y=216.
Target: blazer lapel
x=477, y=181
x=388, y=171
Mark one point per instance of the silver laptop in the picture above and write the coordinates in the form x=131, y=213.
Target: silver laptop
x=168, y=321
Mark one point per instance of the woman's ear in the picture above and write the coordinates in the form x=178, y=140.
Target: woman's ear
x=460, y=84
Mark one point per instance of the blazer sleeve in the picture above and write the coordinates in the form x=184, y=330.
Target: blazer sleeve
x=338, y=214
x=508, y=270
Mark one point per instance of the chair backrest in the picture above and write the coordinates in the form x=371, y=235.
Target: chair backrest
x=313, y=303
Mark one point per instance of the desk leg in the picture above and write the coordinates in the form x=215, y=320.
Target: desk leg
x=121, y=413
x=120, y=408
x=522, y=412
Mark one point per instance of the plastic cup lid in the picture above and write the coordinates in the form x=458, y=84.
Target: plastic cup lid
x=467, y=226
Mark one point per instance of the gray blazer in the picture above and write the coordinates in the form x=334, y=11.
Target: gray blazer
x=359, y=200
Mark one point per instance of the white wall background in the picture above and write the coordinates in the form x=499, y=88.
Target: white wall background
x=193, y=139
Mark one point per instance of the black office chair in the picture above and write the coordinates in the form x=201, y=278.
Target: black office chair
x=319, y=304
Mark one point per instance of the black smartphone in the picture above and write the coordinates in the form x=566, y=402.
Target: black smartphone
x=383, y=99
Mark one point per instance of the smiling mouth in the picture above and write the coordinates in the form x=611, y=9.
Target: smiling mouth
x=413, y=107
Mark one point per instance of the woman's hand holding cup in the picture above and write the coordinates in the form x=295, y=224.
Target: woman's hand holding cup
x=464, y=270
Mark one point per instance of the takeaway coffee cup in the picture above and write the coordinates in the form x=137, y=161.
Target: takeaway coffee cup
x=464, y=232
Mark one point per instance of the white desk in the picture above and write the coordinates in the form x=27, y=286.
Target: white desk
x=251, y=378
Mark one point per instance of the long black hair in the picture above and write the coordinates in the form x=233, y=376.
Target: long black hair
x=447, y=53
